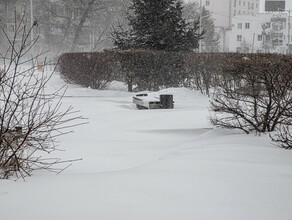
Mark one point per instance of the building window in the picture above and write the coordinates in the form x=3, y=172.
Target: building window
x=239, y=37
x=268, y=37
x=239, y=25
x=234, y=3
x=247, y=25
x=268, y=24
x=243, y=3
x=239, y=3
x=260, y=37
x=207, y=3
x=239, y=12
x=234, y=13
x=238, y=50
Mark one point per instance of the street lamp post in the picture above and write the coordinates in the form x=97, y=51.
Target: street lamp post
x=264, y=27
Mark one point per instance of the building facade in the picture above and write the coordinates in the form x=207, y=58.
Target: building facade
x=262, y=33
x=223, y=10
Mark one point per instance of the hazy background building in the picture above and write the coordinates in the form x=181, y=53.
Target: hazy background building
x=64, y=25
x=260, y=33
x=223, y=10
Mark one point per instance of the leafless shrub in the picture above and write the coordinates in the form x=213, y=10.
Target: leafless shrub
x=254, y=93
x=283, y=136
x=203, y=70
x=30, y=118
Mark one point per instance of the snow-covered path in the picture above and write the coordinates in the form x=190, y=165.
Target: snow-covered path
x=154, y=165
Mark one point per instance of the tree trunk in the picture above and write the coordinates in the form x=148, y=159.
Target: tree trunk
x=80, y=25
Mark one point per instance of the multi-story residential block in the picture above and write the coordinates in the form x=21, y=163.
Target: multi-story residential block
x=266, y=32
x=223, y=10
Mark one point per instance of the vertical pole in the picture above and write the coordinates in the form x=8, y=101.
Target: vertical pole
x=224, y=38
x=230, y=14
x=253, y=37
x=200, y=42
x=264, y=27
x=90, y=38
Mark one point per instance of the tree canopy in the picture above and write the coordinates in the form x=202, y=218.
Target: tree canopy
x=157, y=25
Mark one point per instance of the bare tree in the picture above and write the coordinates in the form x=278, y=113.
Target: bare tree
x=254, y=93
x=87, y=7
x=283, y=136
x=30, y=118
x=203, y=71
x=210, y=40
x=71, y=24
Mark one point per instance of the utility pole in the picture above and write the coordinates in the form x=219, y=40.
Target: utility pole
x=92, y=38
x=253, y=37
x=264, y=27
x=230, y=14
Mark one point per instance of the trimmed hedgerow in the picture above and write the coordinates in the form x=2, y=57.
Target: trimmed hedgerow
x=151, y=70
x=93, y=70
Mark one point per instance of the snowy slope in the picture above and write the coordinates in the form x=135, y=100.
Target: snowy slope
x=154, y=165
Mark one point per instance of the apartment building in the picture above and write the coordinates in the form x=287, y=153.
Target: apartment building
x=223, y=10
x=263, y=33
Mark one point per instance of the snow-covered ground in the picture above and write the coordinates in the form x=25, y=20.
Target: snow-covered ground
x=154, y=165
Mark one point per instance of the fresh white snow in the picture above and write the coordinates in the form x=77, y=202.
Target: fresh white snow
x=154, y=165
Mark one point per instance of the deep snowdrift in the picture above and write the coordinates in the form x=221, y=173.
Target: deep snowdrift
x=156, y=164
